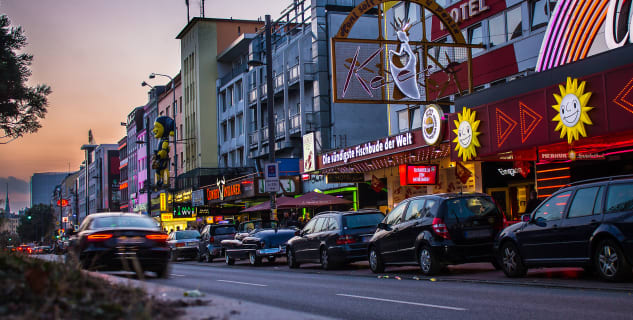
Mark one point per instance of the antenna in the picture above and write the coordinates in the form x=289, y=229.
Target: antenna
x=187, y=4
x=202, y=8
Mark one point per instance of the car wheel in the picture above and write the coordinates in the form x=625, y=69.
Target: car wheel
x=292, y=261
x=326, y=262
x=610, y=261
x=511, y=261
x=163, y=272
x=253, y=259
x=272, y=259
x=375, y=261
x=230, y=261
x=428, y=261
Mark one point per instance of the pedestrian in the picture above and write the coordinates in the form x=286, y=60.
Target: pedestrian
x=532, y=203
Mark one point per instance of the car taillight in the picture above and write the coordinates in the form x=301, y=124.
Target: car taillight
x=179, y=245
x=439, y=227
x=212, y=239
x=99, y=237
x=160, y=237
x=347, y=239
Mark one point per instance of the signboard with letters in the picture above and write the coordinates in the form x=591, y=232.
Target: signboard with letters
x=309, y=154
x=418, y=174
x=344, y=177
x=271, y=176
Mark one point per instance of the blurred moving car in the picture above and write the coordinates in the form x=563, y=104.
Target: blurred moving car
x=260, y=243
x=433, y=231
x=121, y=241
x=210, y=246
x=184, y=244
x=333, y=238
x=587, y=224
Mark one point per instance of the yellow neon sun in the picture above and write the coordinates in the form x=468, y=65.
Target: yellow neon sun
x=466, y=131
x=572, y=110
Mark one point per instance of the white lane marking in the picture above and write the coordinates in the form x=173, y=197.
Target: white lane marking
x=403, y=302
x=177, y=275
x=246, y=283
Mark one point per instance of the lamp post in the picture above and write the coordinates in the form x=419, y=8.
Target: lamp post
x=173, y=104
x=270, y=92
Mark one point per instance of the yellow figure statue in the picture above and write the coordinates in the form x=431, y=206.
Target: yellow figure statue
x=163, y=129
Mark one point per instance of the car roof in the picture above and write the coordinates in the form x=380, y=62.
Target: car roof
x=115, y=214
x=451, y=195
x=348, y=213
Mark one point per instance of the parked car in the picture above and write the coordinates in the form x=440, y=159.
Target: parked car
x=433, y=231
x=585, y=224
x=333, y=238
x=260, y=243
x=247, y=227
x=183, y=244
x=210, y=246
x=114, y=241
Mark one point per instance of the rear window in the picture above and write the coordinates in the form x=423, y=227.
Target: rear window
x=124, y=222
x=224, y=230
x=620, y=198
x=464, y=208
x=363, y=220
x=187, y=234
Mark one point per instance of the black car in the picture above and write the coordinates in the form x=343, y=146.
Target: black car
x=210, y=246
x=333, y=238
x=184, y=244
x=260, y=243
x=433, y=231
x=117, y=241
x=585, y=224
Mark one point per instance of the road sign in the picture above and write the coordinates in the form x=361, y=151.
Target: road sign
x=271, y=176
x=64, y=219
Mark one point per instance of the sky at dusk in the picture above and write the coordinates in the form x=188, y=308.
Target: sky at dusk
x=94, y=54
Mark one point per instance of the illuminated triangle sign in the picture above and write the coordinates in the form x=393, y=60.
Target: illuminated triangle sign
x=529, y=119
x=625, y=98
x=505, y=125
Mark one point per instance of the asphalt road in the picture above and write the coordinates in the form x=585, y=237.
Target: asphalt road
x=346, y=296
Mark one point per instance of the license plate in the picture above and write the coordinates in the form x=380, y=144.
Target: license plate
x=366, y=238
x=192, y=244
x=130, y=240
x=268, y=251
x=477, y=234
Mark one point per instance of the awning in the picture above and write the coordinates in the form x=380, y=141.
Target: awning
x=265, y=206
x=312, y=200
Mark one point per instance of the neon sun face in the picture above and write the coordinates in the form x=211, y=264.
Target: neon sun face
x=572, y=110
x=465, y=134
x=466, y=130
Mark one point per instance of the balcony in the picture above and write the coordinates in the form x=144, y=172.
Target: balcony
x=280, y=130
x=252, y=96
x=253, y=138
x=293, y=74
x=295, y=123
x=279, y=82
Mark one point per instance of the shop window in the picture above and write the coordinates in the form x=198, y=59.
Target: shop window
x=583, y=203
x=553, y=208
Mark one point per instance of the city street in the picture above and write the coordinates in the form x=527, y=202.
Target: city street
x=354, y=293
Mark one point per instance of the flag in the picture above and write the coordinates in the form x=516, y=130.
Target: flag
x=462, y=173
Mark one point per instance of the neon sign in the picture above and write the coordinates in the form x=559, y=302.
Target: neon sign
x=390, y=143
x=418, y=175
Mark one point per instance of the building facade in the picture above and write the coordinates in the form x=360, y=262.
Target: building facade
x=41, y=186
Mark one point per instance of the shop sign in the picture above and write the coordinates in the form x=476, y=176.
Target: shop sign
x=287, y=186
x=183, y=196
x=466, y=140
x=309, y=154
x=344, y=178
x=184, y=212
x=432, y=124
x=203, y=211
x=197, y=198
x=166, y=217
x=163, y=201
x=271, y=174
x=227, y=191
x=418, y=175
x=512, y=172
x=390, y=143
x=571, y=155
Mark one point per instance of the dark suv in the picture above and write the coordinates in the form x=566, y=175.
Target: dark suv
x=436, y=230
x=585, y=224
x=333, y=238
x=210, y=240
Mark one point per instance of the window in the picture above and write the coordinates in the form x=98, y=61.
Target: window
x=430, y=208
x=229, y=96
x=332, y=224
x=180, y=101
x=240, y=156
x=415, y=120
x=239, y=125
x=497, y=30
x=232, y=128
x=583, y=203
x=620, y=198
x=414, y=211
x=513, y=23
x=223, y=101
x=309, y=227
x=320, y=225
x=403, y=121
x=553, y=208
x=597, y=207
x=539, y=13
x=395, y=216
x=238, y=91
x=476, y=36
x=225, y=137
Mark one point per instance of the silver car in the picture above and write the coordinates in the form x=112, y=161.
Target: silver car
x=183, y=244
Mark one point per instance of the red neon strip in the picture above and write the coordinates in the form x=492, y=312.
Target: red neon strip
x=546, y=179
x=544, y=195
x=550, y=170
x=550, y=187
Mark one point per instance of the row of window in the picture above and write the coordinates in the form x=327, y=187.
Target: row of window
x=230, y=95
x=232, y=128
x=233, y=158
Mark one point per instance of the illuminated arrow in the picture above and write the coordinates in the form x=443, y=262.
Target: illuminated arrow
x=510, y=124
x=624, y=98
x=529, y=120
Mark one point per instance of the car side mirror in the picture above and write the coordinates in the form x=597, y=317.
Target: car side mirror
x=540, y=221
x=384, y=226
x=525, y=218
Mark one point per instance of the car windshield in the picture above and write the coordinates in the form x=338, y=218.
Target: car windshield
x=254, y=225
x=363, y=220
x=224, y=230
x=464, y=208
x=187, y=234
x=124, y=222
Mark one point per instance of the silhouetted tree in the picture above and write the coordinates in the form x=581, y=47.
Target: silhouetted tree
x=39, y=225
x=21, y=106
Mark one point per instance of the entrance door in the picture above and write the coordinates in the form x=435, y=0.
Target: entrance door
x=502, y=198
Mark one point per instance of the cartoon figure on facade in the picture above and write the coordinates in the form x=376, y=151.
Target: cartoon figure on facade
x=404, y=65
x=163, y=129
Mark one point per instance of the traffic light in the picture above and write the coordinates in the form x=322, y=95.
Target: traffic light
x=28, y=217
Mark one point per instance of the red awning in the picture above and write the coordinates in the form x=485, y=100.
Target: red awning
x=265, y=206
x=312, y=200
